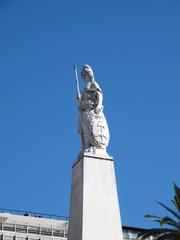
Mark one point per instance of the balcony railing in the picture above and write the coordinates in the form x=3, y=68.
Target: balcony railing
x=33, y=214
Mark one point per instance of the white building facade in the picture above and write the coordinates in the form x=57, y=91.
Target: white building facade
x=20, y=225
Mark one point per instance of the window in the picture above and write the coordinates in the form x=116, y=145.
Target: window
x=8, y=227
x=33, y=230
x=58, y=233
x=21, y=237
x=126, y=235
x=8, y=237
x=32, y=238
x=21, y=228
x=46, y=231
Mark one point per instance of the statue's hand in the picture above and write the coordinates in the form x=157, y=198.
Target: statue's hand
x=98, y=109
x=78, y=97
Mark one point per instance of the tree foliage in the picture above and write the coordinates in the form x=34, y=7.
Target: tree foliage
x=172, y=231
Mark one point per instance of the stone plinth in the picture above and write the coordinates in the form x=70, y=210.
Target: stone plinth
x=94, y=209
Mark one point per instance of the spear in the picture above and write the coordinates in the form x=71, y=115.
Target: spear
x=77, y=84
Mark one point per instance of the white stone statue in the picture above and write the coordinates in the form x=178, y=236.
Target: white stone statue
x=92, y=124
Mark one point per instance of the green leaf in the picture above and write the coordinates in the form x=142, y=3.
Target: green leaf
x=165, y=233
x=168, y=236
x=169, y=209
x=169, y=221
x=154, y=232
x=176, y=199
x=152, y=216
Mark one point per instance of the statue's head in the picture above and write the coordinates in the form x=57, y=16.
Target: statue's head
x=87, y=73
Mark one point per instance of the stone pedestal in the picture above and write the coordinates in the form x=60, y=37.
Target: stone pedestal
x=94, y=209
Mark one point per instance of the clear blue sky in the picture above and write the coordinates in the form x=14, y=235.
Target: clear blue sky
x=134, y=49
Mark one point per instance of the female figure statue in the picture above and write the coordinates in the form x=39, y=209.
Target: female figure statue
x=92, y=125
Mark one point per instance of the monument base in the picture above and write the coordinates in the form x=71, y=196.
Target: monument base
x=94, y=209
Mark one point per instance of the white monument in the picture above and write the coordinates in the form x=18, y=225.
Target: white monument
x=94, y=208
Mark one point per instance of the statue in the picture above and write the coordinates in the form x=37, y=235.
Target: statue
x=92, y=125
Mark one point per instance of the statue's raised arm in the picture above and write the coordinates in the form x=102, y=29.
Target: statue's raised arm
x=92, y=125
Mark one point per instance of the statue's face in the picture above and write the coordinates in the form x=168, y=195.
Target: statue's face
x=85, y=76
x=87, y=73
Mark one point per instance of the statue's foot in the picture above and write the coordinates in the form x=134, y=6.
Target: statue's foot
x=95, y=151
x=89, y=150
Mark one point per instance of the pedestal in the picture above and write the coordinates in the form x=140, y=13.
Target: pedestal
x=94, y=208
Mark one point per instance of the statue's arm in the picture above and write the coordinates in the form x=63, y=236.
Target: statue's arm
x=99, y=101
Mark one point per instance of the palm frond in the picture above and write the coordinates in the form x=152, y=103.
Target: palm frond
x=154, y=232
x=172, y=233
x=169, y=209
x=163, y=220
x=169, y=221
x=152, y=216
x=176, y=199
x=168, y=236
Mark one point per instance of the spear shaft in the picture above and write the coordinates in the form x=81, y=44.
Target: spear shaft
x=77, y=84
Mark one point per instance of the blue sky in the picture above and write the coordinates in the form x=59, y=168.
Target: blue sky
x=133, y=47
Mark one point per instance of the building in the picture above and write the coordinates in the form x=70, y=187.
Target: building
x=21, y=225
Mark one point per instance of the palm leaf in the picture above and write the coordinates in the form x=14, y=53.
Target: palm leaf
x=163, y=220
x=165, y=233
x=168, y=236
x=152, y=216
x=175, y=203
x=169, y=221
x=169, y=209
x=154, y=232
x=176, y=199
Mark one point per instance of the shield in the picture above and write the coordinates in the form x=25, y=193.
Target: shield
x=100, y=133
